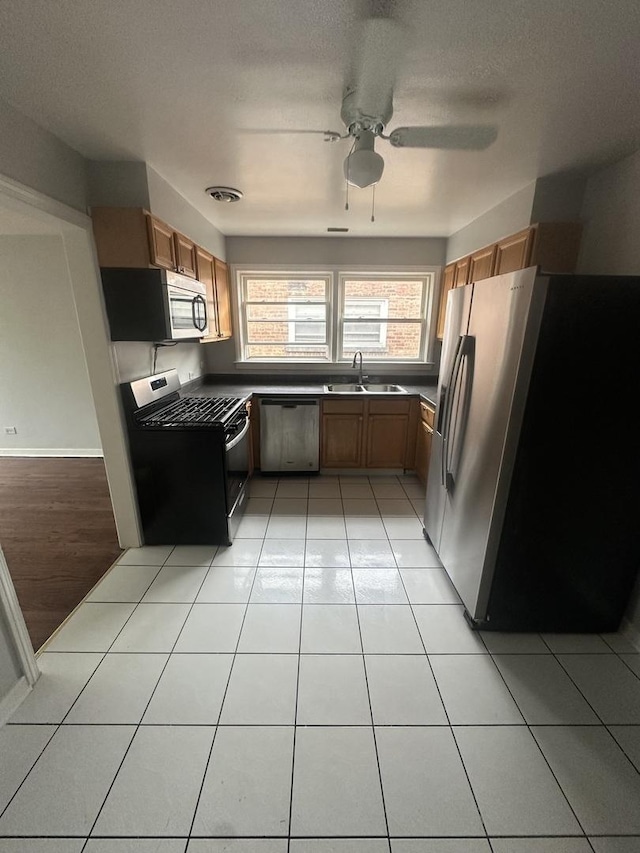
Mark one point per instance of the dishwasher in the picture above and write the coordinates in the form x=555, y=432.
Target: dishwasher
x=289, y=434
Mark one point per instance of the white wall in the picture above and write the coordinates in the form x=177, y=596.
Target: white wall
x=134, y=359
x=10, y=669
x=34, y=157
x=44, y=385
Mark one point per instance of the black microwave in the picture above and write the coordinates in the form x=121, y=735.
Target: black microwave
x=153, y=305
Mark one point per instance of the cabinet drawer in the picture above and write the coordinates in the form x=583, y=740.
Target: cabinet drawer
x=389, y=407
x=343, y=407
x=427, y=413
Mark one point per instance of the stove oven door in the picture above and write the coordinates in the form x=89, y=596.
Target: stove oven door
x=238, y=456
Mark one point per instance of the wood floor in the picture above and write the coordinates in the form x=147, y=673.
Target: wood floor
x=57, y=532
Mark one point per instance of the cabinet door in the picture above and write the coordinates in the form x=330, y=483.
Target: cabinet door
x=448, y=276
x=206, y=275
x=482, y=263
x=423, y=451
x=461, y=273
x=161, y=244
x=223, y=300
x=386, y=440
x=185, y=249
x=513, y=253
x=341, y=441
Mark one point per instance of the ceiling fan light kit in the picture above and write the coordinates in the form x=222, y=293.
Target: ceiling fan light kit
x=363, y=166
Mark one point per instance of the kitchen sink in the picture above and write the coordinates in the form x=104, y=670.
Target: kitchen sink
x=353, y=388
x=385, y=389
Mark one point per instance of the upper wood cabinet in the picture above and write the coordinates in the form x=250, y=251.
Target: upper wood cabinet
x=513, y=252
x=223, y=300
x=482, y=263
x=215, y=275
x=185, y=255
x=448, y=277
x=461, y=272
x=162, y=247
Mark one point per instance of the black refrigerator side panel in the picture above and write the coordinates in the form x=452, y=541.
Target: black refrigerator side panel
x=570, y=547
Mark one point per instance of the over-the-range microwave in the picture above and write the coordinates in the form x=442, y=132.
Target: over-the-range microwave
x=153, y=305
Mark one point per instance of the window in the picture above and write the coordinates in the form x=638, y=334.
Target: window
x=328, y=316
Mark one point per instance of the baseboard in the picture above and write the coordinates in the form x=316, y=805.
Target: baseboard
x=631, y=633
x=14, y=698
x=52, y=451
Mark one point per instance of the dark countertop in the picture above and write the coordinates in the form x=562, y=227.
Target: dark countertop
x=212, y=385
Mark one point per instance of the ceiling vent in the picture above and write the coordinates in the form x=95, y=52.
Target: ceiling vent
x=343, y=230
x=224, y=194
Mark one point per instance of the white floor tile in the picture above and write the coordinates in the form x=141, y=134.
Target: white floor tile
x=374, y=554
x=425, y=788
x=330, y=629
x=633, y=662
x=326, y=527
x=62, y=678
x=192, y=555
x=43, y=845
x=336, y=786
x=289, y=506
x=629, y=739
x=444, y=630
x=119, y=690
x=576, y=644
x=414, y=554
x=271, y=628
x=619, y=643
x=611, y=689
x=65, y=790
x=277, y=586
x=237, y=845
x=354, y=478
x=361, y=507
x=395, y=506
x=327, y=553
x=499, y=642
x=243, y=552
x=259, y=506
x=429, y=586
x=379, y=586
x=20, y=747
x=414, y=491
x=389, y=629
x=282, y=552
x=252, y=527
x=247, y=788
x=190, y=691
x=440, y=845
x=156, y=789
x=403, y=528
x=176, y=584
x=262, y=691
x=227, y=585
x=152, y=628
x=134, y=845
x=332, y=691
x=338, y=845
x=292, y=489
x=403, y=691
x=325, y=506
x=418, y=508
x=601, y=784
x=359, y=491
x=361, y=527
x=287, y=527
x=616, y=845
x=516, y=792
x=473, y=691
x=540, y=845
x=148, y=555
x=544, y=692
x=388, y=490
x=263, y=488
x=124, y=583
x=328, y=586
x=324, y=489
x=92, y=628
x=211, y=628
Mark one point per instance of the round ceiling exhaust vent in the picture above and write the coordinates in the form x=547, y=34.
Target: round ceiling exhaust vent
x=224, y=194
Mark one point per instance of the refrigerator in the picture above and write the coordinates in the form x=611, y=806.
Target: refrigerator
x=533, y=493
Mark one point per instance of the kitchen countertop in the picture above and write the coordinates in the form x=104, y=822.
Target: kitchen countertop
x=233, y=386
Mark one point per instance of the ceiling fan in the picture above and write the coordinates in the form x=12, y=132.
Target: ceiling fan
x=367, y=108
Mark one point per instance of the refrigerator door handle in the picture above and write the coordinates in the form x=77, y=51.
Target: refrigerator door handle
x=445, y=411
x=466, y=353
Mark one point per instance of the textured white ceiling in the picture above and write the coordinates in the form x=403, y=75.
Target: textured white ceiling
x=186, y=85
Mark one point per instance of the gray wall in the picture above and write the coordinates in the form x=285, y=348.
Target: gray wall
x=44, y=385
x=34, y=157
x=134, y=359
x=10, y=670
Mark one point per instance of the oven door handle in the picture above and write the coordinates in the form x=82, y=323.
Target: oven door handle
x=238, y=438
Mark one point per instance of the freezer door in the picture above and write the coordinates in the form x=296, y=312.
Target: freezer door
x=488, y=389
x=457, y=319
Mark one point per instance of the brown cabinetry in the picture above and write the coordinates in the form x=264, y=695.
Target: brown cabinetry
x=387, y=425
x=448, y=278
x=223, y=299
x=162, y=247
x=423, y=442
x=342, y=430
x=185, y=255
x=359, y=433
x=482, y=263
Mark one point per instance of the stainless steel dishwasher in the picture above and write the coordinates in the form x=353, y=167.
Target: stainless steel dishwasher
x=289, y=434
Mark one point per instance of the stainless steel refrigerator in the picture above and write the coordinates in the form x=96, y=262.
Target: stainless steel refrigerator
x=533, y=494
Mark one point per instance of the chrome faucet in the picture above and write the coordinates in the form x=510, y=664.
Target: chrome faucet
x=361, y=378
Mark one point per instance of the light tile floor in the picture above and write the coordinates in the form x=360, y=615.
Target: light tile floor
x=314, y=688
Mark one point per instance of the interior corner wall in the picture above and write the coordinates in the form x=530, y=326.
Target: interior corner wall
x=117, y=184
x=44, y=384
x=36, y=158
x=558, y=198
x=511, y=215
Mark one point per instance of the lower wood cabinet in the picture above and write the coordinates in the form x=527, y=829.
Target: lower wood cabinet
x=369, y=433
x=423, y=442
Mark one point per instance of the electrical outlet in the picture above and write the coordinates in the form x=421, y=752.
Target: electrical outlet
x=11, y=430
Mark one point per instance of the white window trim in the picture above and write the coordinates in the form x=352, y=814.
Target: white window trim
x=431, y=346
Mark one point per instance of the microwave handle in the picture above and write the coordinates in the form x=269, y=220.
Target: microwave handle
x=197, y=301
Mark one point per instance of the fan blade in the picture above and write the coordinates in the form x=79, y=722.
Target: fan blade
x=470, y=137
x=373, y=76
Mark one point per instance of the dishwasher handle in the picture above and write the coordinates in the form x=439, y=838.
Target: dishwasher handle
x=288, y=403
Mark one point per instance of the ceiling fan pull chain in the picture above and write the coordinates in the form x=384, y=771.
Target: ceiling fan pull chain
x=373, y=204
x=346, y=204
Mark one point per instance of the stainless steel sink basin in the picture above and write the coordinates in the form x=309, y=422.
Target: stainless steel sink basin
x=344, y=388
x=385, y=389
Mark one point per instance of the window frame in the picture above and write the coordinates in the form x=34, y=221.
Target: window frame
x=335, y=275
